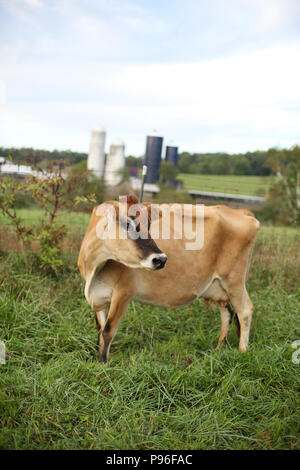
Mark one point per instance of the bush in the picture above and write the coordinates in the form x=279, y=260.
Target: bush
x=51, y=190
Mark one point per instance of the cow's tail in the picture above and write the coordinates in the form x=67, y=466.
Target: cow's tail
x=249, y=262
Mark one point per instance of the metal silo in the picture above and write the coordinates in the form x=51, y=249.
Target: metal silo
x=153, y=157
x=115, y=162
x=172, y=154
x=96, y=158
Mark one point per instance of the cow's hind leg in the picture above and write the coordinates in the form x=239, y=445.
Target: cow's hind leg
x=217, y=292
x=100, y=317
x=243, y=306
x=236, y=319
x=245, y=318
x=226, y=318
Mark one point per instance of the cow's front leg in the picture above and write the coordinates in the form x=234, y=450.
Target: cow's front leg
x=122, y=293
x=117, y=309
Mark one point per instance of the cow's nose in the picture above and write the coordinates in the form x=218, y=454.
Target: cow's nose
x=159, y=261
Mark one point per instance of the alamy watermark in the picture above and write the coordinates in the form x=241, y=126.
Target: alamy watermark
x=2, y=352
x=168, y=221
x=296, y=354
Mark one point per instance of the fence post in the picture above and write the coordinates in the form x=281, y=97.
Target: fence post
x=144, y=172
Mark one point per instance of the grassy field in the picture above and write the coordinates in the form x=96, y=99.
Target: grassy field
x=74, y=220
x=232, y=184
x=165, y=387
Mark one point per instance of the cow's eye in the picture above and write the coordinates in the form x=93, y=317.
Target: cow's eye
x=130, y=224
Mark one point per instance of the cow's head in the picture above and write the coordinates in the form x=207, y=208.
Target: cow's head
x=124, y=228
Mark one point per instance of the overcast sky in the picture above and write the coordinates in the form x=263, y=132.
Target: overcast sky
x=210, y=75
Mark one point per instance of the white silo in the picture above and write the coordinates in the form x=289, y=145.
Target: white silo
x=96, y=158
x=115, y=162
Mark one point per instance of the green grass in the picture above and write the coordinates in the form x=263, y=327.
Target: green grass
x=34, y=215
x=76, y=223
x=232, y=184
x=165, y=387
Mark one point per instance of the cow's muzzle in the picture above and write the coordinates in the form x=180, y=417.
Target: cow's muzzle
x=155, y=261
x=159, y=261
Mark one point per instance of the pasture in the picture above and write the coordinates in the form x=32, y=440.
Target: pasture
x=165, y=387
x=231, y=184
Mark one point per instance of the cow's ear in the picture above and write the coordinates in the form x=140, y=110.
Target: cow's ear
x=132, y=199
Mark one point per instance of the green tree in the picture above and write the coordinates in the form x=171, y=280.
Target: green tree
x=286, y=165
x=241, y=166
x=218, y=166
x=132, y=161
x=184, y=161
x=167, y=171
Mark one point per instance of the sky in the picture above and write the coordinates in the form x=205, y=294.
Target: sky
x=207, y=75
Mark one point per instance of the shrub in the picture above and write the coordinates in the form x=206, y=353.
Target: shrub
x=52, y=189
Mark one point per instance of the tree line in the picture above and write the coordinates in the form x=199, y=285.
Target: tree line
x=283, y=201
x=29, y=154
x=249, y=163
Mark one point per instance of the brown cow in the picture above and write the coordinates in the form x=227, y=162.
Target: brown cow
x=121, y=267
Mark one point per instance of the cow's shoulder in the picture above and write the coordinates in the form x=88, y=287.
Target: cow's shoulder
x=90, y=239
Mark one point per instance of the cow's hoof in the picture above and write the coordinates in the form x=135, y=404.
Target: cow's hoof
x=102, y=358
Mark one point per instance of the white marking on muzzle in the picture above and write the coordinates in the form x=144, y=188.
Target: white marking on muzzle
x=154, y=261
